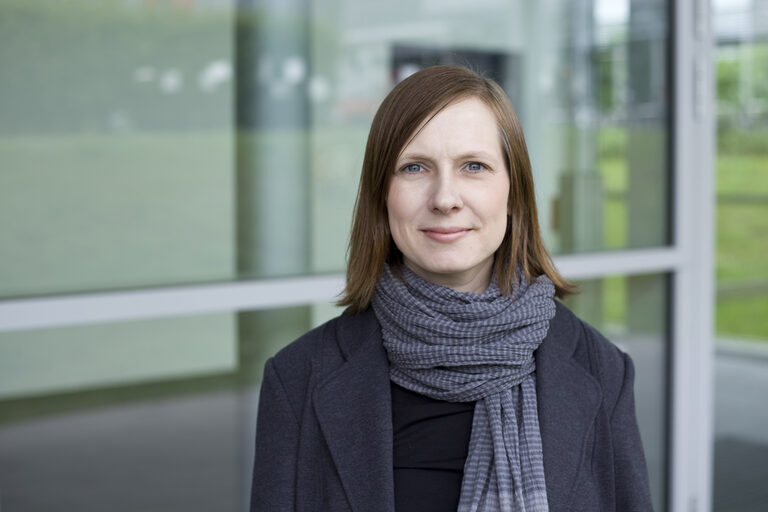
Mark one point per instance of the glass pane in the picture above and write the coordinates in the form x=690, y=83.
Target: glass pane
x=126, y=165
x=149, y=415
x=116, y=143
x=741, y=357
x=632, y=311
x=588, y=79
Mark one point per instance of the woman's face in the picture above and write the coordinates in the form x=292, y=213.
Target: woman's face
x=447, y=199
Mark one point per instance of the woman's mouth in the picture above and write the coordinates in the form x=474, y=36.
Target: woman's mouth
x=446, y=235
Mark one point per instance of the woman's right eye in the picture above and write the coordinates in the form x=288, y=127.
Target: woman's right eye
x=412, y=168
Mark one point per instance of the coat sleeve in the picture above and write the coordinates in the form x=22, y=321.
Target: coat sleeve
x=630, y=471
x=277, y=434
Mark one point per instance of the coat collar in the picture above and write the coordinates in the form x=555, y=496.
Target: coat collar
x=354, y=409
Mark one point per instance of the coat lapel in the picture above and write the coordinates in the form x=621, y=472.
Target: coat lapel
x=354, y=409
x=568, y=400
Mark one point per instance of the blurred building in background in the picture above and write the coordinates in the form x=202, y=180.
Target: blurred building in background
x=176, y=187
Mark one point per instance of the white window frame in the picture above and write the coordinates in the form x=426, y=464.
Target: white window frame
x=693, y=101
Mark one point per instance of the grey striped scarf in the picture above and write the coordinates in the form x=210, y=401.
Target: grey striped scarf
x=464, y=347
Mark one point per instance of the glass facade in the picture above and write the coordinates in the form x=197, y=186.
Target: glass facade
x=150, y=143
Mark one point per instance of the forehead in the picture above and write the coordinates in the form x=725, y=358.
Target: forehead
x=463, y=125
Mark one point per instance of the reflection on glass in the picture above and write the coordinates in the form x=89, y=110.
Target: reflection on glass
x=588, y=80
x=116, y=144
x=192, y=141
x=741, y=357
x=147, y=415
x=633, y=313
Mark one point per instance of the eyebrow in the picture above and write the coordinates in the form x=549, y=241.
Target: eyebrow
x=471, y=155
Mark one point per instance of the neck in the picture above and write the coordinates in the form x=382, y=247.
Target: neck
x=473, y=280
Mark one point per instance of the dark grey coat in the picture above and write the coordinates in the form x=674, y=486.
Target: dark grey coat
x=324, y=432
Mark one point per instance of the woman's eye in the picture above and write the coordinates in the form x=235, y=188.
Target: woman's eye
x=412, y=168
x=475, y=166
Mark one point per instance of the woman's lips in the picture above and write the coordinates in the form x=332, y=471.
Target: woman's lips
x=445, y=235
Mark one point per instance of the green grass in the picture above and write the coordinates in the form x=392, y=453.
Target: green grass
x=612, y=165
x=613, y=169
x=742, y=242
x=734, y=142
x=614, y=224
x=743, y=318
x=615, y=300
x=742, y=232
x=742, y=228
x=742, y=173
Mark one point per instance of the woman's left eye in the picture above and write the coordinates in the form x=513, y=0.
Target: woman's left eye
x=475, y=166
x=412, y=168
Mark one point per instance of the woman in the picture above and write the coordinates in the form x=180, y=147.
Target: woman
x=453, y=380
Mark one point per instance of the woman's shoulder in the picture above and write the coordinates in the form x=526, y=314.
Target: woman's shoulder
x=324, y=348
x=306, y=345
x=606, y=362
x=299, y=356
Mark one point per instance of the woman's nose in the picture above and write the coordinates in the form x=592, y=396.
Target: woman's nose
x=446, y=193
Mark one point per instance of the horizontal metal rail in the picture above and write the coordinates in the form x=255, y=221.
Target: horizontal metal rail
x=116, y=306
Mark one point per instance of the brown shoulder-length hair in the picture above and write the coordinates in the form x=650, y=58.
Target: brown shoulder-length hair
x=413, y=101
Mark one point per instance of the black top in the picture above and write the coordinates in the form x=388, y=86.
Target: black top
x=431, y=440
